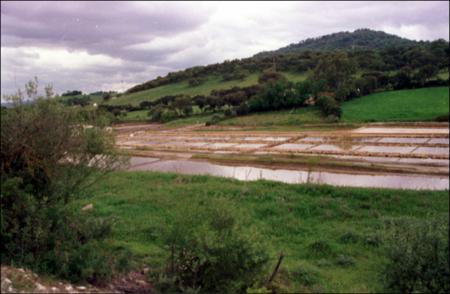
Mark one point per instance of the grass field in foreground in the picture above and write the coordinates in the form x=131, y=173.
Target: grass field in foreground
x=402, y=105
x=290, y=217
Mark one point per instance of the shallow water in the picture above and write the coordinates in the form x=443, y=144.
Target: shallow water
x=432, y=150
x=439, y=141
x=403, y=140
x=386, y=149
x=294, y=147
x=248, y=173
x=402, y=130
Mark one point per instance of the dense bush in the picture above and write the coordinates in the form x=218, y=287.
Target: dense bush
x=78, y=100
x=329, y=106
x=278, y=95
x=212, y=249
x=48, y=156
x=270, y=76
x=72, y=93
x=418, y=257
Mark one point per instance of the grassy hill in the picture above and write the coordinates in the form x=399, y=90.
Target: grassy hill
x=404, y=105
x=370, y=50
x=359, y=39
x=212, y=83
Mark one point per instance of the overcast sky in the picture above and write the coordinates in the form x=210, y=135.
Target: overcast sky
x=93, y=46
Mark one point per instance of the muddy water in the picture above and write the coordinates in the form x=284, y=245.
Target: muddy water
x=248, y=173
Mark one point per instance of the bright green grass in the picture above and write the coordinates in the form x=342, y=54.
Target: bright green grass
x=290, y=217
x=403, y=105
x=205, y=88
x=298, y=116
x=212, y=83
x=138, y=115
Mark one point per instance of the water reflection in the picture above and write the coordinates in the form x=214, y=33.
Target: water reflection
x=248, y=173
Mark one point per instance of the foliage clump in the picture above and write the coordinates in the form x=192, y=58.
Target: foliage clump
x=418, y=257
x=212, y=248
x=49, y=153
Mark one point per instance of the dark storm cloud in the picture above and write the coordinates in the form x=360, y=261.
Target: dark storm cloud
x=113, y=45
x=98, y=27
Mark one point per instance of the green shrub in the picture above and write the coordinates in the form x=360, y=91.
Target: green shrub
x=373, y=239
x=168, y=115
x=305, y=275
x=215, y=119
x=350, y=238
x=48, y=156
x=418, y=257
x=329, y=106
x=212, y=248
x=321, y=248
x=345, y=261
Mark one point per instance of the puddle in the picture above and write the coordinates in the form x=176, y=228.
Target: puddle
x=293, y=147
x=139, y=161
x=439, y=141
x=249, y=146
x=382, y=181
x=402, y=130
x=196, y=144
x=312, y=139
x=404, y=140
x=333, y=148
x=220, y=145
x=432, y=150
x=247, y=173
x=275, y=139
x=367, y=140
x=386, y=149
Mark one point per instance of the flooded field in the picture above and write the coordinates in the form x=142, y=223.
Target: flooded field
x=392, y=157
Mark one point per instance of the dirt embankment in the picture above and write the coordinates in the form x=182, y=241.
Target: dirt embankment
x=19, y=280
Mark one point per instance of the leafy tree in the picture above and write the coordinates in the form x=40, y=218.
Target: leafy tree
x=106, y=96
x=335, y=69
x=270, y=76
x=47, y=157
x=426, y=72
x=329, y=106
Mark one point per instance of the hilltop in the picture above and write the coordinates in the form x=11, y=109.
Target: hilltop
x=371, y=50
x=359, y=39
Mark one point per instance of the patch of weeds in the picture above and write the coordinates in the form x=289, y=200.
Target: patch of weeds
x=350, y=238
x=321, y=248
x=373, y=239
x=324, y=263
x=374, y=213
x=345, y=261
x=365, y=205
x=305, y=275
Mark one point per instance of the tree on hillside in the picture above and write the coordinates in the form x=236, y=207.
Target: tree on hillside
x=270, y=76
x=335, y=69
x=106, y=96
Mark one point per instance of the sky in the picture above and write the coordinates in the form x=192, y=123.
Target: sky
x=92, y=46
